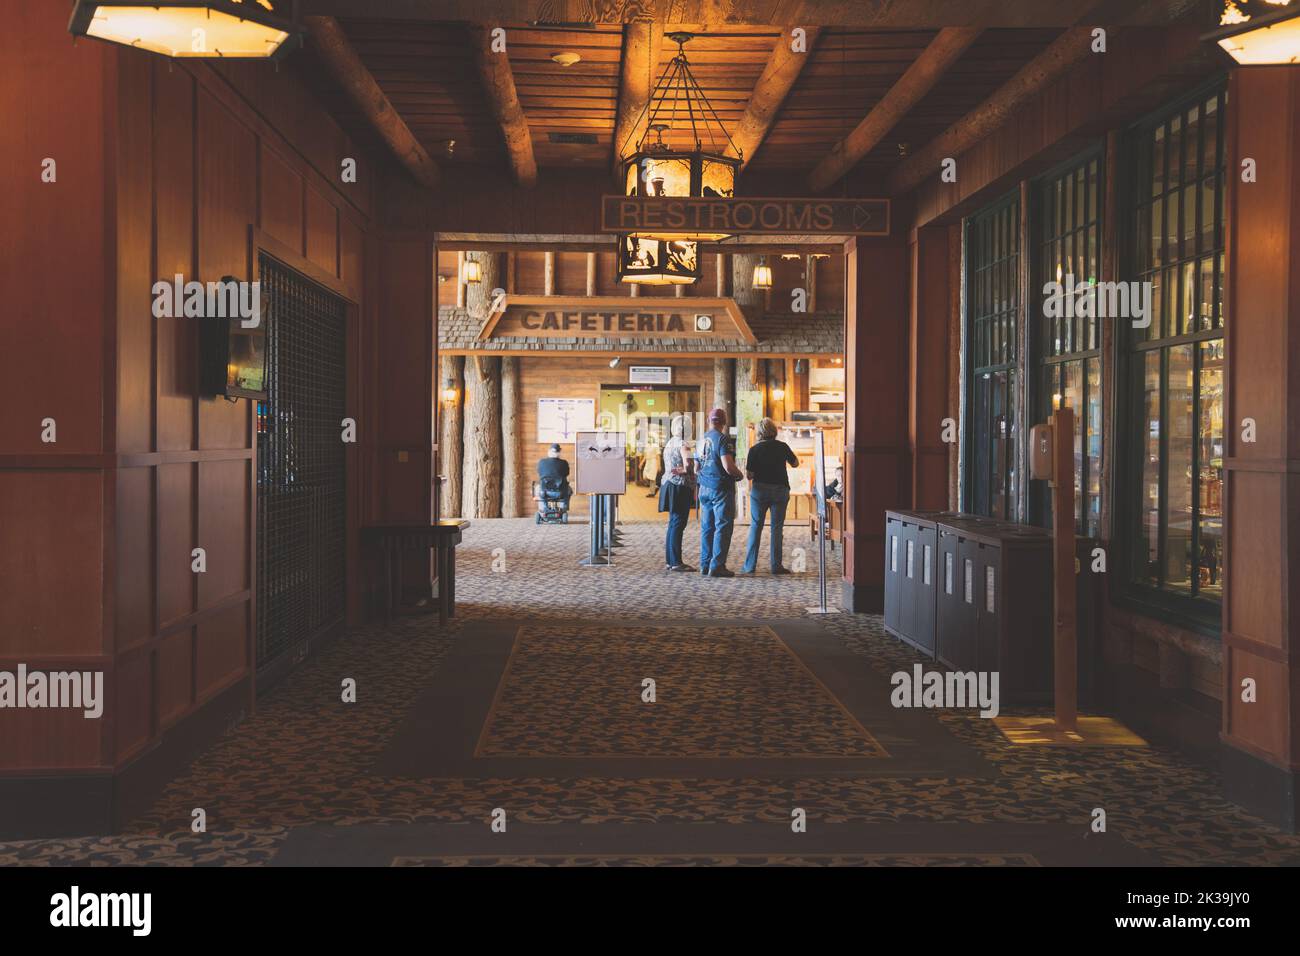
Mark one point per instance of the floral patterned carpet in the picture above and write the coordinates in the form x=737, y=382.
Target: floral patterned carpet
x=303, y=765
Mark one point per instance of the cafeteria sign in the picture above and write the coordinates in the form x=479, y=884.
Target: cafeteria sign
x=614, y=317
x=687, y=215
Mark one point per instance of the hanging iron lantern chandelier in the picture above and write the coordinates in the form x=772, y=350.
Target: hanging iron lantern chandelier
x=657, y=168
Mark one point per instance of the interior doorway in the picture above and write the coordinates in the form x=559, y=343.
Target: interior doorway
x=645, y=413
x=301, y=502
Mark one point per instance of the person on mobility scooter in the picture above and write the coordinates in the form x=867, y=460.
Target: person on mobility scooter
x=551, y=490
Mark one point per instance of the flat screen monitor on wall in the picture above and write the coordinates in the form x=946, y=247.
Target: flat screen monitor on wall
x=233, y=356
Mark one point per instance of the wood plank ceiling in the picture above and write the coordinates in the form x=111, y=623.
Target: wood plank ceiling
x=427, y=70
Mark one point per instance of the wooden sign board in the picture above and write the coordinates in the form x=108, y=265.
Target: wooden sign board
x=745, y=217
x=604, y=317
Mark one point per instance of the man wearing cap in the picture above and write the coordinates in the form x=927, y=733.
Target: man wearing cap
x=718, y=473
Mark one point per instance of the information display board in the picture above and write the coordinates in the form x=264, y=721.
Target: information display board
x=560, y=419
x=601, y=463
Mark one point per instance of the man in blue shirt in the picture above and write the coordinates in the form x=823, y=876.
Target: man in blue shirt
x=718, y=474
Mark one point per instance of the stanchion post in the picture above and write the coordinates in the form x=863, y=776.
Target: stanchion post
x=1065, y=644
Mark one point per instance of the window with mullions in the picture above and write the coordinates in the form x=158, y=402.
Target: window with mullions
x=1067, y=229
x=992, y=311
x=1175, y=366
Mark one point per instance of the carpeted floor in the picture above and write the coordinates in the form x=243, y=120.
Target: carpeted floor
x=530, y=709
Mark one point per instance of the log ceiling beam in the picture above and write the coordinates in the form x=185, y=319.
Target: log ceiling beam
x=1063, y=53
x=499, y=84
x=895, y=14
x=926, y=70
x=334, y=50
x=778, y=78
x=638, y=73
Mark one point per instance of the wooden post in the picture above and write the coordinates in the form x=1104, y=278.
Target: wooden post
x=722, y=263
x=511, y=492
x=481, y=492
x=450, y=440
x=742, y=280
x=548, y=287
x=492, y=276
x=679, y=291
x=460, y=280
x=512, y=268
x=591, y=273
x=1064, y=591
x=724, y=385
x=810, y=281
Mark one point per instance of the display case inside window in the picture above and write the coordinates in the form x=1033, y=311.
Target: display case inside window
x=1176, y=406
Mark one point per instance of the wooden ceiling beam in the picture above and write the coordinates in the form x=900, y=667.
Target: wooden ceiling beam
x=783, y=67
x=499, y=84
x=638, y=74
x=1064, y=52
x=926, y=70
x=332, y=47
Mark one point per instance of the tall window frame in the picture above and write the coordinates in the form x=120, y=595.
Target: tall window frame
x=993, y=304
x=1066, y=223
x=1172, y=373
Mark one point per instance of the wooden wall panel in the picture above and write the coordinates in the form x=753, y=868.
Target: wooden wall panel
x=322, y=231
x=560, y=376
x=221, y=650
x=175, y=676
x=227, y=205
x=132, y=706
x=176, y=584
x=134, y=177
x=352, y=252
x=51, y=566
x=134, y=564
x=281, y=200
x=224, y=515
x=52, y=266
x=51, y=739
x=176, y=340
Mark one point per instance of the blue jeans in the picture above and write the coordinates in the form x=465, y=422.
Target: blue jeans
x=717, y=517
x=762, y=499
x=676, y=531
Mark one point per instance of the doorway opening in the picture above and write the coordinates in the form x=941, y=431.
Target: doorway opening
x=301, y=500
x=645, y=414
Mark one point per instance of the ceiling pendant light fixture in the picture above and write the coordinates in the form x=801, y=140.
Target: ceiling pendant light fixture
x=1259, y=32
x=660, y=167
x=225, y=29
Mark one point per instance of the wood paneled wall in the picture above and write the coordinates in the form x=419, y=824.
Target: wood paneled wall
x=163, y=168
x=579, y=377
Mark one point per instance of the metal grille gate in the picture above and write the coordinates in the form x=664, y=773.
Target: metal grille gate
x=300, y=465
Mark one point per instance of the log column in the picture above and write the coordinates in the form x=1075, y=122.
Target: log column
x=511, y=490
x=481, y=493
x=724, y=386
x=876, y=467
x=451, y=440
x=1261, y=603
x=492, y=276
x=742, y=281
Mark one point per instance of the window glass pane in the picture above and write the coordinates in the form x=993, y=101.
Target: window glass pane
x=1157, y=256
x=1186, y=300
x=1179, y=559
x=1209, y=133
x=1147, y=542
x=1210, y=457
x=1205, y=296
x=1175, y=154
x=1192, y=150
x=1074, y=400
x=1158, y=162
x=1092, y=448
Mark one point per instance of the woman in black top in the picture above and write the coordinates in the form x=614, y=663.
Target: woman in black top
x=769, y=490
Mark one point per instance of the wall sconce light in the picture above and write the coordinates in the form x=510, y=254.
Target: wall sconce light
x=449, y=391
x=778, y=395
x=472, y=271
x=189, y=28
x=763, y=275
x=1257, y=33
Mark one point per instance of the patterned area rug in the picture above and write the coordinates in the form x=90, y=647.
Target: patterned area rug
x=304, y=760
x=719, y=691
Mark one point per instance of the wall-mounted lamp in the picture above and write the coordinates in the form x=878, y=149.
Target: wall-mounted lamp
x=613, y=363
x=472, y=271
x=763, y=275
x=449, y=391
x=778, y=395
x=189, y=28
x=1258, y=33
